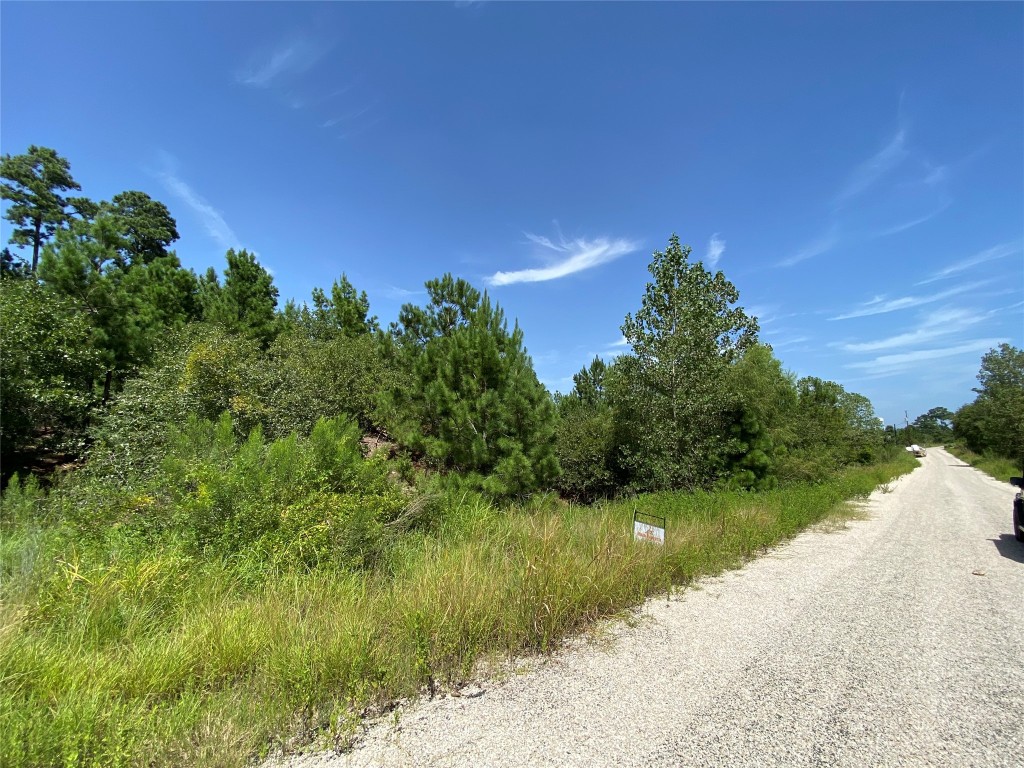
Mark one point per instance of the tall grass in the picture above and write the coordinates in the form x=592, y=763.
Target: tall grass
x=999, y=467
x=130, y=654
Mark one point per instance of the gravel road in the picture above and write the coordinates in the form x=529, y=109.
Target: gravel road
x=896, y=642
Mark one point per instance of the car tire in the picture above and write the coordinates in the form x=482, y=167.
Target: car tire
x=1018, y=519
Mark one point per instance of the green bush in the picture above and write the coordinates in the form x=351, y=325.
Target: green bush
x=201, y=372
x=48, y=366
x=314, y=378
x=298, y=501
x=204, y=371
x=585, y=443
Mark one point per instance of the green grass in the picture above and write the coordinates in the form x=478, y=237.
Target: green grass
x=995, y=466
x=131, y=655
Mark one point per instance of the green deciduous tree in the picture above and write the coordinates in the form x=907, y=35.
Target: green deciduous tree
x=863, y=436
x=199, y=371
x=475, y=404
x=586, y=436
x=934, y=426
x=995, y=420
x=831, y=427
x=33, y=183
x=46, y=364
x=313, y=378
x=684, y=337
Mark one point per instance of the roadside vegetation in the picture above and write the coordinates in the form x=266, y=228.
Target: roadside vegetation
x=989, y=432
x=993, y=465
x=124, y=645
x=230, y=526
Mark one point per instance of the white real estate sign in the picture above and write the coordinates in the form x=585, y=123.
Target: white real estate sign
x=648, y=532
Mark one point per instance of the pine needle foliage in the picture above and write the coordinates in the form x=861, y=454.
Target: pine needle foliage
x=475, y=404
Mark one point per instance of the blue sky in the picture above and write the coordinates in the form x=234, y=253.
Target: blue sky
x=857, y=170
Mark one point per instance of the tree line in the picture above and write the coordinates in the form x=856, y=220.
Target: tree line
x=993, y=423
x=110, y=344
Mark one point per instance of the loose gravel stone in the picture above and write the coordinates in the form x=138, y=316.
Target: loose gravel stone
x=896, y=642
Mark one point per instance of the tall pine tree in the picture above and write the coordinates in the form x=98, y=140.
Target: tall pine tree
x=247, y=301
x=129, y=305
x=33, y=183
x=475, y=404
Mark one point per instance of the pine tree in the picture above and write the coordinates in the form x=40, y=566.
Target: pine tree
x=345, y=312
x=33, y=183
x=129, y=306
x=764, y=400
x=475, y=404
x=586, y=437
x=145, y=224
x=247, y=301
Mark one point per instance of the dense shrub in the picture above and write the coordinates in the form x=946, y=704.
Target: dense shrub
x=205, y=370
x=296, y=501
x=585, y=441
x=299, y=501
x=312, y=378
x=48, y=368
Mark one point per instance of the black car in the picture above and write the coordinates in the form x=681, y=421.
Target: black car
x=1018, y=508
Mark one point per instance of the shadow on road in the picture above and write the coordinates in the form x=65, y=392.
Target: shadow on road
x=1009, y=547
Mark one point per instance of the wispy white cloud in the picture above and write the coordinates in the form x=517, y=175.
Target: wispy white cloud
x=716, y=247
x=294, y=56
x=575, y=256
x=881, y=305
x=913, y=222
x=890, y=365
x=347, y=117
x=620, y=344
x=765, y=313
x=944, y=322
x=817, y=247
x=989, y=254
x=789, y=342
x=873, y=169
x=216, y=227
x=935, y=175
x=399, y=294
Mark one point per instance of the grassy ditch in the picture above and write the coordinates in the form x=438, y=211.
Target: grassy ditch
x=126, y=654
x=992, y=465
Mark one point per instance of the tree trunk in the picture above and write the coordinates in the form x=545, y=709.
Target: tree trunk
x=35, y=243
x=106, y=386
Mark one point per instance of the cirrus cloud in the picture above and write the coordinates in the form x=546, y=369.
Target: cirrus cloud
x=574, y=256
x=716, y=247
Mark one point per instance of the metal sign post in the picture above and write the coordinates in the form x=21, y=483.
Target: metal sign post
x=651, y=528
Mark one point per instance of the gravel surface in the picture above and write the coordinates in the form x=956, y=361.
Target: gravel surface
x=896, y=642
